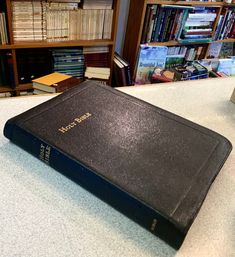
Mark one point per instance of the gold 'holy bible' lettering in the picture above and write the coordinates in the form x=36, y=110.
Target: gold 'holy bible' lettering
x=74, y=123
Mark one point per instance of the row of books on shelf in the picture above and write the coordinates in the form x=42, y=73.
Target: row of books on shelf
x=68, y=61
x=79, y=63
x=154, y=60
x=34, y=63
x=220, y=67
x=175, y=22
x=226, y=24
x=187, y=24
x=188, y=71
x=59, y=82
x=194, y=70
x=40, y=20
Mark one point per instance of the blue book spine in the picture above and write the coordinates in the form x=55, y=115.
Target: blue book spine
x=91, y=181
x=185, y=15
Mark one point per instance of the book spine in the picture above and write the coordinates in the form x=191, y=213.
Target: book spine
x=10, y=70
x=106, y=191
x=128, y=75
x=155, y=23
x=146, y=24
x=184, y=18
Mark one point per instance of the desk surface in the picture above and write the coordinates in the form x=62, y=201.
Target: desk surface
x=43, y=213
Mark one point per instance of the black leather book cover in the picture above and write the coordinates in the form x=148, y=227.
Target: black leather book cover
x=150, y=164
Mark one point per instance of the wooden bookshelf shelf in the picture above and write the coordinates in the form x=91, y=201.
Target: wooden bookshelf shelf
x=176, y=43
x=5, y=47
x=186, y=3
x=4, y=89
x=160, y=2
x=231, y=4
x=228, y=40
x=23, y=87
x=58, y=44
x=194, y=3
x=169, y=43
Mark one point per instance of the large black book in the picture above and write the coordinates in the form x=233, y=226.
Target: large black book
x=150, y=164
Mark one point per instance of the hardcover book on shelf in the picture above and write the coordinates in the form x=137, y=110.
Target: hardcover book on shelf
x=55, y=83
x=102, y=73
x=210, y=64
x=214, y=50
x=121, y=70
x=96, y=56
x=119, y=74
x=157, y=174
x=227, y=49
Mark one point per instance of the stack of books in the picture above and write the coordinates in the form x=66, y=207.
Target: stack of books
x=121, y=70
x=198, y=25
x=96, y=56
x=101, y=74
x=5, y=94
x=54, y=83
x=69, y=61
x=190, y=71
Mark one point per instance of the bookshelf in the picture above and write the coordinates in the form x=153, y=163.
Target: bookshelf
x=95, y=37
x=136, y=26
